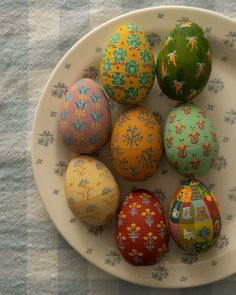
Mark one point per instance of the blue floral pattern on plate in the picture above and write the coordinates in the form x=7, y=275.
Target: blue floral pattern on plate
x=218, y=99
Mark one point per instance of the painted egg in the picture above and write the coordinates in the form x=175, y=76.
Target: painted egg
x=84, y=118
x=194, y=217
x=127, y=66
x=136, y=144
x=141, y=231
x=190, y=140
x=184, y=62
x=92, y=193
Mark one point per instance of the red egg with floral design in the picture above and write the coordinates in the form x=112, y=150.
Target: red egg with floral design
x=141, y=231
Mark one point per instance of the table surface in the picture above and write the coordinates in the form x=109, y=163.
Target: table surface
x=34, y=258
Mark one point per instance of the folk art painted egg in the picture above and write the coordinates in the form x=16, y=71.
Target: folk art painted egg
x=84, y=117
x=136, y=144
x=91, y=190
x=141, y=231
x=190, y=140
x=194, y=217
x=127, y=66
x=184, y=62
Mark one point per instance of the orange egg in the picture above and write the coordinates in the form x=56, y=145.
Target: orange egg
x=136, y=144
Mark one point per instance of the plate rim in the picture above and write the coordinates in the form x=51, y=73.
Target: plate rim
x=33, y=137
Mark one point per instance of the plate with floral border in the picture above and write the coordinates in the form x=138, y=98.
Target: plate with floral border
x=50, y=158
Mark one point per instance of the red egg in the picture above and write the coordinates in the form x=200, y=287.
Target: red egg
x=141, y=230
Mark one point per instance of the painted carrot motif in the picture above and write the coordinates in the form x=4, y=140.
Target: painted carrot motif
x=167, y=42
x=163, y=70
x=192, y=42
x=209, y=54
x=172, y=58
x=192, y=94
x=178, y=86
x=200, y=70
x=186, y=24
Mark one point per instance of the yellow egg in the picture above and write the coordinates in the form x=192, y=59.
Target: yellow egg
x=127, y=67
x=136, y=144
x=92, y=193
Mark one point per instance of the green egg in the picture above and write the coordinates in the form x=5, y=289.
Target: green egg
x=184, y=62
x=190, y=140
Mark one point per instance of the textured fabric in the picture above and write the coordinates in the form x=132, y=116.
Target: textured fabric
x=34, y=258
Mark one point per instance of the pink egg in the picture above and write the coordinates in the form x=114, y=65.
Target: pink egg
x=84, y=118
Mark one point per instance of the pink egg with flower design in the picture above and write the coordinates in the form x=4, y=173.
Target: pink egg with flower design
x=84, y=118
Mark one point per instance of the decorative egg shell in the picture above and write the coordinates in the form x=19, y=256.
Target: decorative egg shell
x=136, y=144
x=190, y=140
x=184, y=62
x=85, y=118
x=141, y=231
x=194, y=217
x=91, y=190
x=128, y=66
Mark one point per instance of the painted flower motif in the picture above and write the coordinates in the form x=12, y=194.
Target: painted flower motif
x=94, y=139
x=132, y=67
x=121, y=239
x=147, y=41
x=150, y=241
x=162, y=227
x=134, y=209
x=96, y=116
x=115, y=38
x=104, y=52
x=69, y=96
x=145, y=56
x=131, y=92
x=79, y=125
x=136, y=255
x=132, y=27
x=147, y=158
x=133, y=40
x=118, y=79
x=109, y=90
x=83, y=91
x=133, y=232
x=144, y=79
x=133, y=136
x=148, y=214
x=145, y=198
x=107, y=64
x=121, y=218
x=64, y=115
x=127, y=199
x=119, y=54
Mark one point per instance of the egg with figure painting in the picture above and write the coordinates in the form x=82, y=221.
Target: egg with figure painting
x=91, y=190
x=141, y=230
x=127, y=66
x=190, y=140
x=194, y=217
x=136, y=144
x=84, y=117
x=184, y=62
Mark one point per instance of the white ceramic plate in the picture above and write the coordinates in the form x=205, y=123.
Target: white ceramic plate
x=49, y=157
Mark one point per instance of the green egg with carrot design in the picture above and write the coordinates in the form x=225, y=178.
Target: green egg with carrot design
x=184, y=62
